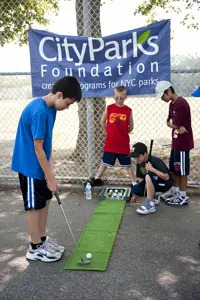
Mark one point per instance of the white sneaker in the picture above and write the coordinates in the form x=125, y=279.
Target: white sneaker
x=168, y=194
x=52, y=244
x=157, y=198
x=146, y=208
x=43, y=254
x=176, y=195
x=179, y=200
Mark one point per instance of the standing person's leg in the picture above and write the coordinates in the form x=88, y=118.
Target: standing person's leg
x=173, y=192
x=43, y=220
x=176, y=184
x=35, y=205
x=100, y=171
x=182, y=169
x=38, y=250
x=176, y=181
x=50, y=243
x=182, y=183
x=34, y=219
x=125, y=162
x=174, y=166
x=108, y=160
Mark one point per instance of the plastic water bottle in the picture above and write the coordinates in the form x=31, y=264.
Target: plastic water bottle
x=88, y=191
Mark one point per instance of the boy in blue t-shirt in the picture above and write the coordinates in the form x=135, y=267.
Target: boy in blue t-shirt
x=32, y=159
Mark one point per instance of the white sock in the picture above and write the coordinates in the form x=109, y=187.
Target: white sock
x=183, y=193
x=175, y=189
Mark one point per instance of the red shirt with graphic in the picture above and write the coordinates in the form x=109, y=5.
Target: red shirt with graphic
x=179, y=114
x=117, y=128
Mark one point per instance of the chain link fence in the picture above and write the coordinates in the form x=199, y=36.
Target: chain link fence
x=74, y=158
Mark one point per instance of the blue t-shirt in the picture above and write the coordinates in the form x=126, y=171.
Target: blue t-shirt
x=36, y=122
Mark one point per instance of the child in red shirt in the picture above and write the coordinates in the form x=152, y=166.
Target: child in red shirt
x=117, y=122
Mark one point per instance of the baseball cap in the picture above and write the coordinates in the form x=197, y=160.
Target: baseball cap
x=196, y=93
x=137, y=149
x=161, y=87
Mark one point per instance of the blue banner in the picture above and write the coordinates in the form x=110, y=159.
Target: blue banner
x=137, y=59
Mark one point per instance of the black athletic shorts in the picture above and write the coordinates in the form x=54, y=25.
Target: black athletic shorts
x=34, y=191
x=179, y=163
x=109, y=159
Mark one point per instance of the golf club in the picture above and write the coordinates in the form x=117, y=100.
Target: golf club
x=149, y=160
x=150, y=150
x=82, y=262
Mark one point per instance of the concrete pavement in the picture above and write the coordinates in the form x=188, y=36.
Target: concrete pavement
x=155, y=257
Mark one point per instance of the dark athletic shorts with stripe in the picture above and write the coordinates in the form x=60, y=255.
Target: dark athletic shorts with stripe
x=109, y=159
x=179, y=163
x=34, y=191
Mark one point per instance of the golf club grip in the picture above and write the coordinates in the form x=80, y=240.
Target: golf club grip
x=58, y=198
x=150, y=150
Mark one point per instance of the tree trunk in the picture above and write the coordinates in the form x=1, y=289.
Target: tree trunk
x=80, y=153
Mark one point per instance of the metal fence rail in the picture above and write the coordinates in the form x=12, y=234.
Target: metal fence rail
x=70, y=157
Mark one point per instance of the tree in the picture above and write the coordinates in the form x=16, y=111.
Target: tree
x=17, y=17
x=149, y=7
x=80, y=152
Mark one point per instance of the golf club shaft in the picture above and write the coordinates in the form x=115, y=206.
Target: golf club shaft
x=60, y=204
x=150, y=150
x=149, y=160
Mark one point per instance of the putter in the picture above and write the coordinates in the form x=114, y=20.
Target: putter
x=82, y=262
x=149, y=160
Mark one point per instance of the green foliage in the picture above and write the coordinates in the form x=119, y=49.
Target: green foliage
x=17, y=16
x=185, y=7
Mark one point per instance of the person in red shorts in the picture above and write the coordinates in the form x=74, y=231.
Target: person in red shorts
x=117, y=122
x=179, y=119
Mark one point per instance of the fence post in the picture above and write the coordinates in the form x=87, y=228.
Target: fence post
x=91, y=157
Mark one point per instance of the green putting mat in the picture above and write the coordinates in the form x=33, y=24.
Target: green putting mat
x=99, y=236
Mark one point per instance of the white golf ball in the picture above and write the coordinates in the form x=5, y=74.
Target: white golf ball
x=88, y=255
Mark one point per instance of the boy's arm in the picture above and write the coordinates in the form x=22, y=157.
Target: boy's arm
x=103, y=120
x=178, y=121
x=180, y=129
x=169, y=118
x=51, y=163
x=130, y=123
x=169, y=124
x=45, y=165
x=163, y=176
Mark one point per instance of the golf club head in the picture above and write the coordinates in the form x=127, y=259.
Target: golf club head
x=82, y=263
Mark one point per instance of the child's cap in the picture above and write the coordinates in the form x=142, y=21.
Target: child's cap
x=137, y=149
x=161, y=87
x=196, y=93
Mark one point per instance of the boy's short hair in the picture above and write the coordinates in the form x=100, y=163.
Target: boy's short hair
x=69, y=86
x=120, y=88
x=172, y=90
